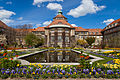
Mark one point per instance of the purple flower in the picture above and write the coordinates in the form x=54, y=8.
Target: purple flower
x=3, y=72
x=7, y=72
x=48, y=71
x=13, y=71
x=53, y=70
x=98, y=69
x=63, y=71
x=110, y=72
x=44, y=70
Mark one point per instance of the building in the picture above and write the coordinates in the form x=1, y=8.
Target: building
x=2, y=33
x=60, y=33
x=7, y=34
x=111, y=35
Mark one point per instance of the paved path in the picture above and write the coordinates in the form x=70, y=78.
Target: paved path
x=92, y=60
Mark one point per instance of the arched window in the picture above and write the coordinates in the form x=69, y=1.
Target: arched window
x=59, y=22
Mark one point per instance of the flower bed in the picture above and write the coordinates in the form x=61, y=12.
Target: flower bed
x=111, y=69
x=58, y=72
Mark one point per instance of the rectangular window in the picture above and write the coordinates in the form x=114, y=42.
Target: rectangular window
x=60, y=30
x=59, y=38
x=66, y=39
x=52, y=38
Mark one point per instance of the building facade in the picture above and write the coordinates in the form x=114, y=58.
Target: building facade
x=2, y=33
x=7, y=34
x=60, y=33
x=111, y=35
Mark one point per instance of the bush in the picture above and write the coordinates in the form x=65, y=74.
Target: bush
x=5, y=76
x=5, y=63
x=73, y=76
x=28, y=76
x=13, y=76
x=36, y=76
x=45, y=76
x=60, y=76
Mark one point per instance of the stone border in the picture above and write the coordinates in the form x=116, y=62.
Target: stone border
x=25, y=62
x=92, y=60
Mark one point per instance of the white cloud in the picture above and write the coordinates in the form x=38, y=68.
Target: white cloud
x=86, y=7
x=20, y=18
x=5, y=16
x=46, y=23
x=38, y=5
x=9, y=2
x=38, y=25
x=108, y=21
x=1, y=7
x=54, y=6
x=41, y=1
x=7, y=20
x=74, y=25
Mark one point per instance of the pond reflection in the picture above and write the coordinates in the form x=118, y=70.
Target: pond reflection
x=53, y=56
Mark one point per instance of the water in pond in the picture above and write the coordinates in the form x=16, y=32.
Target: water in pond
x=53, y=57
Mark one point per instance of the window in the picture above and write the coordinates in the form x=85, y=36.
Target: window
x=81, y=32
x=93, y=32
x=66, y=39
x=59, y=22
x=60, y=30
x=52, y=39
x=59, y=38
x=85, y=32
x=97, y=32
x=67, y=31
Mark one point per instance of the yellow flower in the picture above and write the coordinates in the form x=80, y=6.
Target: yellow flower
x=33, y=73
x=18, y=65
x=96, y=72
x=90, y=73
x=74, y=72
x=61, y=73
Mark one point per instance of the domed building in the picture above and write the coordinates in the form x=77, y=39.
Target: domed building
x=111, y=35
x=60, y=33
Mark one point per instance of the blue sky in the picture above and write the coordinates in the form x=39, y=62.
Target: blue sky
x=82, y=13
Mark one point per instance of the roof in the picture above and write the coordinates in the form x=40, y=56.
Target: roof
x=3, y=24
x=95, y=30
x=29, y=30
x=80, y=29
x=39, y=29
x=60, y=16
x=64, y=22
x=118, y=20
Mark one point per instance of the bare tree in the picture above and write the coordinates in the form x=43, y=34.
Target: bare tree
x=21, y=32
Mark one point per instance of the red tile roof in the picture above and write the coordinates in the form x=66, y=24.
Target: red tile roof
x=60, y=16
x=3, y=24
x=39, y=29
x=118, y=20
x=94, y=30
x=80, y=29
x=29, y=30
x=55, y=22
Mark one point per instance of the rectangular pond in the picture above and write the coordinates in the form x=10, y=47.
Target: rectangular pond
x=53, y=56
